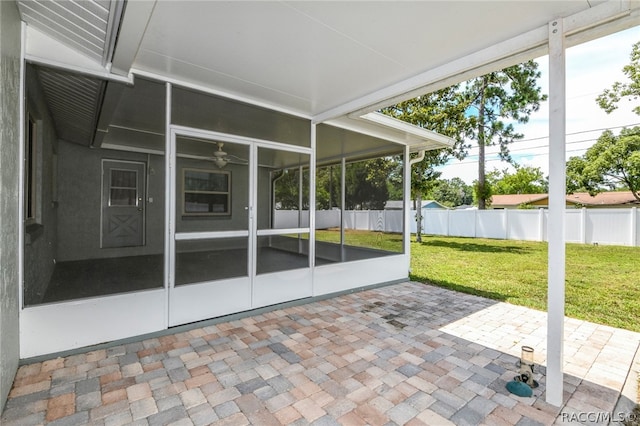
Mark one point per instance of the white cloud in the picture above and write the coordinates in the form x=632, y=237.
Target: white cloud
x=591, y=68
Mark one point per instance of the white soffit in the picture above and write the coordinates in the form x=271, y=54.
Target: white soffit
x=318, y=59
x=388, y=128
x=88, y=26
x=77, y=36
x=74, y=102
x=44, y=50
x=314, y=59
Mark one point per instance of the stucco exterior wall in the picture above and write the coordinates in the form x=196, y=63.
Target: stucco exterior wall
x=79, y=203
x=10, y=36
x=39, y=248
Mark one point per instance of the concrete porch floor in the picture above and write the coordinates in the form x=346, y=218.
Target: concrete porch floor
x=403, y=354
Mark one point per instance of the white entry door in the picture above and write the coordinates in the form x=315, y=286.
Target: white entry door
x=123, y=202
x=209, y=241
x=227, y=252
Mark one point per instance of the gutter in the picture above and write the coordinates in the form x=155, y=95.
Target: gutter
x=419, y=158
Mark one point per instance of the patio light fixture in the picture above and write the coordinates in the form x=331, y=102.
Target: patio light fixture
x=523, y=384
x=526, y=364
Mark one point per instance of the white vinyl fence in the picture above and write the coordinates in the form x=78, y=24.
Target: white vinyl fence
x=586, y=226
x=373, y=220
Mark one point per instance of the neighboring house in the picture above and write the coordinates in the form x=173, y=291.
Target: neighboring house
x=514, y=201
x=432, y=204
x=142, y=142
x=394, y=205
x=618, y=199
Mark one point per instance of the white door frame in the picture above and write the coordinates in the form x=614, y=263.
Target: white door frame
x=142, y=196
x=240, y=293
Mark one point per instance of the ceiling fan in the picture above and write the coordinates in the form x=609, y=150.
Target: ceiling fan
x=221, y=158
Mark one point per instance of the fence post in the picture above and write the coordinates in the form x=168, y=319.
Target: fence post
x=634, y=226
x=541, y=224
x=507, y=234
x=475, y=224
x=583, y=225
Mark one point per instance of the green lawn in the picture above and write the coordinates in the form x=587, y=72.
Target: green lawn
x=602, y=282
x=358, y=238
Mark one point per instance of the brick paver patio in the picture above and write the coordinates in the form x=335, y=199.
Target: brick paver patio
x=403, y=354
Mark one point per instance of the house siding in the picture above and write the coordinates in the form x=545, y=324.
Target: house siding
x=10, y=45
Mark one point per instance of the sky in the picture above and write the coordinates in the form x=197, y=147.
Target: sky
x=591, y=67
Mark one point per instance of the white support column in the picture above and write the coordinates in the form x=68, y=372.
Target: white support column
x=343, y=198
x=312, y=203
x=20, y=225
x=169, y=205
x=556, y=223
x=406, y=221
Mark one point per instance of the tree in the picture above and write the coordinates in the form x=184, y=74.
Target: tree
x=328, y=187
x=510, y=94
x=452, y=192
x=444, y=112
x=612, y=162
x=423, y=177
x=609, y=99
x=366, y=183
x=287, y=189
x=525, y=180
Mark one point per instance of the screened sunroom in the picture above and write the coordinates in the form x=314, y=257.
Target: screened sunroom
x=155, y=204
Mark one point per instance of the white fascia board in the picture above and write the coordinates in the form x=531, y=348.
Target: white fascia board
x=409, y=129
x=134, y=24
x=526, y=46
x=44, y=50
x=388, y=128
x=113, y=26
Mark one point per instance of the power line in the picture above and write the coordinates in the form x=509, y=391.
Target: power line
x=473, y=156
x=577, y=133
x=567, y=143
x=462, y=163
x=536, y=147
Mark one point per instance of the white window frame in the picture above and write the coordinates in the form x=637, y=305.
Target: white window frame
x=227, y=193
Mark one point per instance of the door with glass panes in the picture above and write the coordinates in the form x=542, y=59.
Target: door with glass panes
x=122, y=203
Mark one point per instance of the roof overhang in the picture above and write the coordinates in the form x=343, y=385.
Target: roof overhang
x=384, y=127
x=326, y=61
